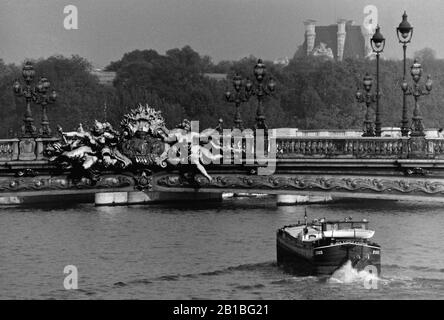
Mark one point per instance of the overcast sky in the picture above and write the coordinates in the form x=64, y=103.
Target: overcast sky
x=222, y=29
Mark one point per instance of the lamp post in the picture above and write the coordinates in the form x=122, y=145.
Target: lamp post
x=416, y=91
x=367, y=98
x=378, y=44
x=260, y=91
x=237, y=98
x=404, y=32
x=39, y=95
x=28, y=73
x=43, y=98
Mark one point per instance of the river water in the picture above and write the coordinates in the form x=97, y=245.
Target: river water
x=214, y=251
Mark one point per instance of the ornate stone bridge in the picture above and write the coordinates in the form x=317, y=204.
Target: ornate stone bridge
x=358, y=167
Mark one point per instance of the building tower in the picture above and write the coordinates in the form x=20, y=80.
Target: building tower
x=341, y=38
x=310, y=35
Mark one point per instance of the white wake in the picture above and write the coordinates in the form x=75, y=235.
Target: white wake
x=348, y=274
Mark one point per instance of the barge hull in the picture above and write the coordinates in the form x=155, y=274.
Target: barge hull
x=326, y=260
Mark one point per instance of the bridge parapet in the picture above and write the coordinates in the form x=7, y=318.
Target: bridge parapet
x=9, y=149
x=349, y=147
x=29, y=149
x=359, y=147
x=24, y=149
x=435, y=147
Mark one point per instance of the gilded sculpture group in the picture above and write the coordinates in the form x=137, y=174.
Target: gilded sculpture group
x=143, y=140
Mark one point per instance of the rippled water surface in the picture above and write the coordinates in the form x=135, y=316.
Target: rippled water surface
x=216, y=251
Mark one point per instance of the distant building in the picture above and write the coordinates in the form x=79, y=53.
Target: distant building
x=216, y=76
x=337, y=41
x=282, y=61
x=105, y=77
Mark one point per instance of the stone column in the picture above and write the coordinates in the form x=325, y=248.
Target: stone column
x=341, y=38
x=310, y=35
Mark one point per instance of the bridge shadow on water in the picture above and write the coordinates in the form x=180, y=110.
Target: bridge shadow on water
x=341, y=204
x=240, y=204
x=387, y=206
x=227, y=204
x=48, y=205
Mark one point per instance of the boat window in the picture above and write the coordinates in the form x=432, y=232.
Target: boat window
x=329, y=226
x=345, y=225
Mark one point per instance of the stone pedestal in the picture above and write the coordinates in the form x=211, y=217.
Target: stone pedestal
x=27, y=149
x=293, y=199
x=10, y=201
x=111, y=198
x=41, y=145
x=47, y=199
x=418, y=147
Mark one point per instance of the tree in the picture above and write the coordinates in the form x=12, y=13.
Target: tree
x=11, y=114
x=310, y=93
x=425, y=55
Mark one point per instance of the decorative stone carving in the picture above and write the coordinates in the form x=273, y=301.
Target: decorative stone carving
x=280, y=182
x=65, y=183
x=322, y=51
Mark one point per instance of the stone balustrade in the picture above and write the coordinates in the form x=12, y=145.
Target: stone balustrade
x=23, y=149
x=29, y=149
x=9, y=149
x=353, y=147
x=435, y=148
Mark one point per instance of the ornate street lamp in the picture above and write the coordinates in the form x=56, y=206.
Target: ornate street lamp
x=38, y=94
x=28, y=73
x=237, y=98
x=367, y=98
x=404, y=32
x=417, y=90
x=260, y=91
x=378, y=43
x=44, y=98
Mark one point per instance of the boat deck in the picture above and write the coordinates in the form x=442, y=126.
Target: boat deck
x=314, y=233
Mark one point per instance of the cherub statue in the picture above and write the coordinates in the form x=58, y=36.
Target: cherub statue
x=183, y=145
x=90, y=148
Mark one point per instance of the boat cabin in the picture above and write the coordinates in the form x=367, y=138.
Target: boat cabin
x=322, y=229
x=343, y=225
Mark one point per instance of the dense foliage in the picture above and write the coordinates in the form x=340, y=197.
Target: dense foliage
x=311, y=93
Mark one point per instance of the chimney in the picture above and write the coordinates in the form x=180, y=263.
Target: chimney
x=341, y=38
x=310, y=35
